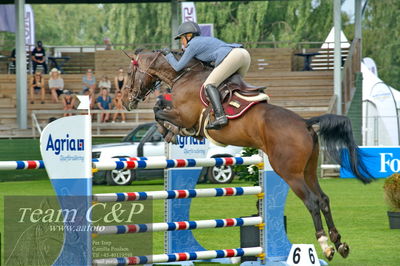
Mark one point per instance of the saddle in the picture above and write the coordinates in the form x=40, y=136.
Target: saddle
x=237, y=96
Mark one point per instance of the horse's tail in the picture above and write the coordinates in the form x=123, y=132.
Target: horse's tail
x=337, y=135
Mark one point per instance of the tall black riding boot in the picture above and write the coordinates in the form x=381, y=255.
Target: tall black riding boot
x=215, y=99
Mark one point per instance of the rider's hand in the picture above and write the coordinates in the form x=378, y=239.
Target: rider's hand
x=165, y=51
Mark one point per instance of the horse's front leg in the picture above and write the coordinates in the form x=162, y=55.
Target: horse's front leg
x=168, y=129
x=159, y=106
x=170, y=115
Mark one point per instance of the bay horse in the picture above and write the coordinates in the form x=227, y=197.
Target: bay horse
x=290, y=141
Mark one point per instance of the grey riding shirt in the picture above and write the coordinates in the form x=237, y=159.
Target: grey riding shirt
x=207, y=49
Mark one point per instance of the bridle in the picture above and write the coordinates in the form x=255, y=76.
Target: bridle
x=137, y=68
x=135, y=97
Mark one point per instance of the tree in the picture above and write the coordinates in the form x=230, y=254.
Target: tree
x=381, y=38
x=69, y=24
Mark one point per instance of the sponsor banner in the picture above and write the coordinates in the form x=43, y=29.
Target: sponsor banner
x=8, y=22
x=7, y=18
x=65, y=145
x=207, y=30
x=188, y=12
x=29, y=26
x=188, y=148
x=380, y=161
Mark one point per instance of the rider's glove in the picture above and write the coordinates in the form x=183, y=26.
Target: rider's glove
x=165, y=51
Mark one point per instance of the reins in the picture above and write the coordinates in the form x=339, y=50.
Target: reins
x=186, y=70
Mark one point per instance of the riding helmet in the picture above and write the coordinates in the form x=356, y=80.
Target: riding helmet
x=188, y=27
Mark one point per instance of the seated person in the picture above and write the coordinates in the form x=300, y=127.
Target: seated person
x=104, y=83
x=118, y=106
x=39, y=57
x=68, y=102
x=104, y=103
x=89, y=81
x=56, y=84
x=36, y=85
x=120, y=80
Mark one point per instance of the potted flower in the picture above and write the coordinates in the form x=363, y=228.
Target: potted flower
x=392, y=196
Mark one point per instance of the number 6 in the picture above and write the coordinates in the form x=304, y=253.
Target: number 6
x=312, y=258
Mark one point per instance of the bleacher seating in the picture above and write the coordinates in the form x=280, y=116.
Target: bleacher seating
x=307, y=93
x=78, y=62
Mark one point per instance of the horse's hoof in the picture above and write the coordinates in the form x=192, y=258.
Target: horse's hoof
x=329, y=252
x=344, y=250
x=171, y=127
x=174, y=139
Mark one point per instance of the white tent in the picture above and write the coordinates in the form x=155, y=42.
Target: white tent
x=319, y=62
x=380, y=111
x=330, y=40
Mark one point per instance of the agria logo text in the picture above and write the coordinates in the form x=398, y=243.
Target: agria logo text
x=65, y=144
x=184, y=140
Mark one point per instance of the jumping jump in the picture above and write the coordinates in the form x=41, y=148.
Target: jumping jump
x=290, y=141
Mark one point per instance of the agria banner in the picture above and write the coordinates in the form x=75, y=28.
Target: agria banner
x=380, y=161
x=66, y=146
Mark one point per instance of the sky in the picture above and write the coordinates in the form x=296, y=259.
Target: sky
x=348, y=7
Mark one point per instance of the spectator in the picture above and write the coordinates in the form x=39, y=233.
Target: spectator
x=104, y=103
x=120, y=80
x=118, y=106
x=89, y=81
x=56, y=84
x=107, y=43
x=39, y=57
x=104, y=83
x=36, y=85
x=68, y=102
x=13, y=57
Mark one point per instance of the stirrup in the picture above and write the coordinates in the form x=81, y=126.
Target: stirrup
x=218, y=123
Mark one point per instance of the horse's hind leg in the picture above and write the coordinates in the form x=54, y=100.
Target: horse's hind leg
x=313, y=204
x=342, y=248
x=312, y=181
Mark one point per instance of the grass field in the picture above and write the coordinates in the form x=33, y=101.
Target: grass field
x=359, y=212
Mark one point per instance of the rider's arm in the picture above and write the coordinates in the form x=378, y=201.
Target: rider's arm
x=189, y=53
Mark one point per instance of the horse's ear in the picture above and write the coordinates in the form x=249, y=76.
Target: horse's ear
x=131, y=57
x=138, y=50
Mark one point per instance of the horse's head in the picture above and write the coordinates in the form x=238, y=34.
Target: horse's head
x=141, y=79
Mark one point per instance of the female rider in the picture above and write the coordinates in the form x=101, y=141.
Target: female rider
x=228, y=59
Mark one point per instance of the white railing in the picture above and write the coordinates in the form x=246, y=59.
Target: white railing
x=381, y=130
x=38, y=124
